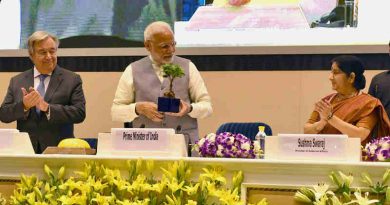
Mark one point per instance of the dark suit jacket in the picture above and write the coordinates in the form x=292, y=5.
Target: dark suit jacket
x=67, y=106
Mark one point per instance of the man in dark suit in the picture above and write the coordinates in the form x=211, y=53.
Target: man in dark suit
x=46, y=100
x=380, y=87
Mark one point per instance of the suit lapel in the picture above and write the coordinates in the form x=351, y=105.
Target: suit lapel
x=55, y=81
x=29, y=80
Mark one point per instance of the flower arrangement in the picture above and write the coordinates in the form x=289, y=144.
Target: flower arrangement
x=342, y=194
x=2, y=200
x=227, y=145
x=100, y=185
x=377, y=150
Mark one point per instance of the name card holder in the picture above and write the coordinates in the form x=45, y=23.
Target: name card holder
x=312, y=147
x=142, y=142
x=14, y=142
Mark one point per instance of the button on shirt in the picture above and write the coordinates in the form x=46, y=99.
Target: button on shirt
x=123, y=106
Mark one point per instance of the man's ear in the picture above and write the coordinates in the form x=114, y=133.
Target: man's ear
x=147, y=44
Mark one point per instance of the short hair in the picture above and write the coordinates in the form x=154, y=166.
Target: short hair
x=154, y=28
x=349, y=64
x=37, y=37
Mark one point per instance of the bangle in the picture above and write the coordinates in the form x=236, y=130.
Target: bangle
x=330, y=116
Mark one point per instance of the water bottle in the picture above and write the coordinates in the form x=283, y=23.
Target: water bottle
x=260, y=138
x=349, y=11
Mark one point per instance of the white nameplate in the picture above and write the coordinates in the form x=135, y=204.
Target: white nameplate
x=140, y=139
x=311, y=146
x=7, y=138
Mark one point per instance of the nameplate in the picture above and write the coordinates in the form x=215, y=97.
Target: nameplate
x=7, y=137
x=140, y=139
x=312, y=146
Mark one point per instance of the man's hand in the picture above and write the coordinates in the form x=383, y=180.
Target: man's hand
x=149, y=110
x=43, y=105
x=184, y=109
x=31, y=98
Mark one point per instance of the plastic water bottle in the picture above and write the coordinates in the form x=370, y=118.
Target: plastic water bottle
x=260, y=137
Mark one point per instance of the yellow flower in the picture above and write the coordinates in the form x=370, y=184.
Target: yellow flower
x=71, y=200
x=238, y=178
x=173, y=200
x=96, y=185
x=174, y=185
x=228, y=197
x=150, y=165
x=190, y=202
x=138, y=202
x=61, y=173
x=48, y=171
x=157, y=187
x=191, y=190
x=386, y=176
x=103, y=200
x=262, y=202
x=213, y=174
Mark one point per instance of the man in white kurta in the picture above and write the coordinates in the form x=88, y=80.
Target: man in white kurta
x=142, y=83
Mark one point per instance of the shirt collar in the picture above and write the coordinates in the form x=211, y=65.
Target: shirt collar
x=37, y=73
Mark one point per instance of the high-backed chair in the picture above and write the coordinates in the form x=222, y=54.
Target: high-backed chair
x=249, y=129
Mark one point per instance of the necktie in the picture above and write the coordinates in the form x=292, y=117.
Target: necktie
x=41, y=88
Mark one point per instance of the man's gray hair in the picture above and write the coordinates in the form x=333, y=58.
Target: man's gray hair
x=37, y=37
x=156, y=27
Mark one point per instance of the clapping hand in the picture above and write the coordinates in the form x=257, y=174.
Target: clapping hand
x=31, y=98
x=324, y=108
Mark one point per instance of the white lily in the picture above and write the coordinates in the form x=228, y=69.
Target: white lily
x=362, y=200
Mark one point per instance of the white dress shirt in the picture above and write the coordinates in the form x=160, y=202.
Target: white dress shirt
x=37, y=80
x=123, y=106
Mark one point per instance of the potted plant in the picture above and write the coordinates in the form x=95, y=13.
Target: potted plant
x=169, y=103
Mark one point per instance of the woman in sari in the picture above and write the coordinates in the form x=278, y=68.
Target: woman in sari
x=348, y=111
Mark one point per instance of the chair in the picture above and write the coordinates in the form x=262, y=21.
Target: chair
x=249, y=129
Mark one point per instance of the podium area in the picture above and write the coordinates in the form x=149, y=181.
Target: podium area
x=276, y=180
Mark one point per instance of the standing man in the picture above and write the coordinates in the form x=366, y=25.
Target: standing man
x=142, y=83
x=46, y=100
x=380, y=87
